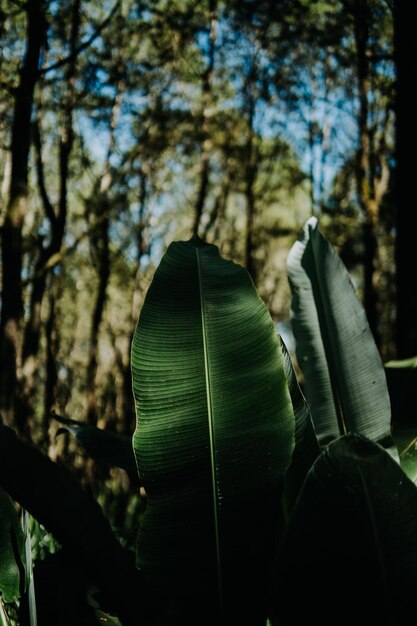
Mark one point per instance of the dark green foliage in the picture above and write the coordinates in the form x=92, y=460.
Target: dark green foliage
x=55, y=499
x=218, y=408
x=12, y=554
x=104, y=446
x=61, y=587
x=307, y=447
x=350, y=551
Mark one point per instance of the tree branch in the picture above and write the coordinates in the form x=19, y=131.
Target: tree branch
x=85, y=44
x=49, y=209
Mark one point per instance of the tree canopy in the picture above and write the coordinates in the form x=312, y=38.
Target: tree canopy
x=126, y=125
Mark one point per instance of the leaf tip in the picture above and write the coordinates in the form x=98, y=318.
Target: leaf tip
x=312, y=223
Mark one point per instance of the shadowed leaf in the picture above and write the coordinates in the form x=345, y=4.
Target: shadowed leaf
x=104, y=446
x=12, y=551
x=350, y=551
x=307, y=448
x=53, y=496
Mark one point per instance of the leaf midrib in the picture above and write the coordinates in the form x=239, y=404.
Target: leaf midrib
x=322, y=309
x=375, y=533
x=210, y=424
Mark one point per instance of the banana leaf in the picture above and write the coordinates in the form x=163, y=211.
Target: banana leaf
x=307, y=448
x=214, y=434
x=12, y=551
x=349, y=555
x=106, y=447
x=344, y=378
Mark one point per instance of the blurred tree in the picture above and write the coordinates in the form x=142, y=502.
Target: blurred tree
x=17, y=207
x=372, y=172
x=206, y=108
x=48, y=246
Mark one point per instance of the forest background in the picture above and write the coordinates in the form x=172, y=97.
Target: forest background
x=126, y=125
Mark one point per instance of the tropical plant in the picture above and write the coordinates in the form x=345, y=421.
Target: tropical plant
x=215, y=429
x=344, y=378
x=350, y=548
x=253, y=490
x=353, y=527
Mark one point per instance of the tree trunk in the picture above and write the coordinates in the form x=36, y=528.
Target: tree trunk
x=100, y=242
x=57, y=220
x=405, y=48
x=216, y=218
x=123, y=361
x=11, y=232
x=250, y=171
x=250, y=207
x=364, y=171
x=103, y=269
x=52, y=346
x=203, y=177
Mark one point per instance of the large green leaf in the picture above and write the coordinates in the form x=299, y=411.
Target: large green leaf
x=12, y=551
x=215, y=428
x=344, y=378
x=350, y=552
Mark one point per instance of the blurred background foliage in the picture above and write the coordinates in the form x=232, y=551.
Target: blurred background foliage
x=128, y=124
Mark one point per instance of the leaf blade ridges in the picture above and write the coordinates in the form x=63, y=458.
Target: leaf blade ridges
x=214, y=416
x=345, y=382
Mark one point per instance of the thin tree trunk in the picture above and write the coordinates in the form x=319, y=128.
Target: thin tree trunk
x=11, y=232
x=219, y=208
x=250, y=173
x=101, y=248
x=365, y=170
x=311, y=128
x=204, y=171
x=405, y=47
x=325, y=132
x=128, y=406
x=103, y=270
x=250, y=207
x=57, y=220
x=52, y=344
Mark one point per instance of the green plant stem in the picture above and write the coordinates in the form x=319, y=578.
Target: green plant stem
x=33, y=618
